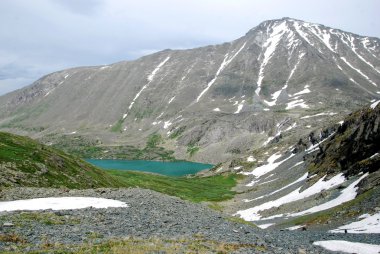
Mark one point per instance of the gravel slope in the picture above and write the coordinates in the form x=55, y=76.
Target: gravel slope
x=152, y=214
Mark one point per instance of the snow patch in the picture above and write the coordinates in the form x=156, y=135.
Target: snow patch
x=270, y=166
x=349, y=247
x=320, y=114
x=154, y=72
x=60, y=203
x=370, y=224
x=373, y=105
x=296, y=103
x=167, y=124
x=295, y=227
x=269, y=181
x=294, y=69
x=171, y=100
x=104, y=67
x=216, y=109
x=240, y=107
x=304, y=35
x=187, y=73
x=304, y=91
x=159, y=115
x=251, y=159
x=365, y=42
x=315, y=147
x=50, y=91
x=291, y=127
x=322, y=35
x=264, y=226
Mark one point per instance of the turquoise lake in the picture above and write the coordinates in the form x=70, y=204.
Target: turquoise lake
x=171, y=168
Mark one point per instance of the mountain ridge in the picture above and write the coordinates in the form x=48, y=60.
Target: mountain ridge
x=281, y=69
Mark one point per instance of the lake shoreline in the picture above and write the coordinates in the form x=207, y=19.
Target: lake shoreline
x=168, y=168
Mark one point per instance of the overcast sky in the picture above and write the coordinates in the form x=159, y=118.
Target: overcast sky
x=41, y=36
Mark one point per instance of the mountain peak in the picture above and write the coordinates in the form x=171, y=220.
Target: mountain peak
x=283, y=65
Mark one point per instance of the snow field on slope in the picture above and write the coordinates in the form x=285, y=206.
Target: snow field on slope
x=348, y=194
x=270, y=166
x=302, y=178
x=270, y=47
x=252, y=214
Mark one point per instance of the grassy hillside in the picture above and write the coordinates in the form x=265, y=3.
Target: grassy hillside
x=214, y=188
x=25, y=162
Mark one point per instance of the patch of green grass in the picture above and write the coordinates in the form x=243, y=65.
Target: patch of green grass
x=11, y=238
x=46, y=218
x=192, y=150
x=178, y=132
x=215, y=206
x=117, y=126
x=141, y=114
x=241, y=221
x=143, y=246
x=25, y=162
x=196, y=189
x=153, y=140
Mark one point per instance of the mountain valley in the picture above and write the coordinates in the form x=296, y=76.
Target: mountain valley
x=289, y=115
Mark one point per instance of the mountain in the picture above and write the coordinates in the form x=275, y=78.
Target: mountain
x=282, y=79
x=324, y=180
x=27, y=163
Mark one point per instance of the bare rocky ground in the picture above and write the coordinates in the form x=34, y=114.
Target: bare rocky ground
x=150, y=214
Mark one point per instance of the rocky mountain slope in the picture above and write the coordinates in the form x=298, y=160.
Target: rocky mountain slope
x=306, y=186
x=326, y=179
x=221, y=101
x=25, y=162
